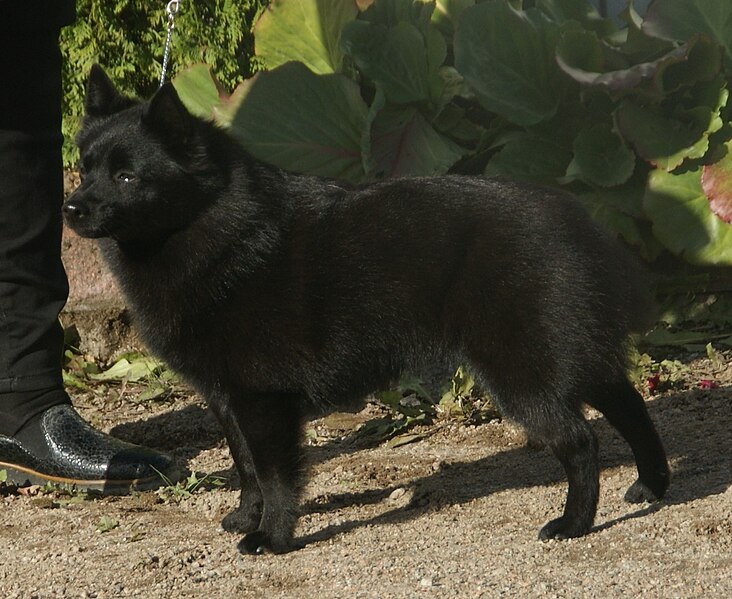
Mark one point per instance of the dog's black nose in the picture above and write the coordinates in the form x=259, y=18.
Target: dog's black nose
x=75, y=212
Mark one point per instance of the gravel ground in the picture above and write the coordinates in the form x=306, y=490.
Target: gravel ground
x=453, y=515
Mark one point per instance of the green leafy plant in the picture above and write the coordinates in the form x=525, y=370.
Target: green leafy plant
x=658, y=376
x=57, y=495
x=634, y=119
x=465, y=401
x=180, y=490
x=410, y=404
x=106, y=523
x=692, y=320
x=150, y=377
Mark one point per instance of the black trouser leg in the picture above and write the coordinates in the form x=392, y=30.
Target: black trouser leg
x=33, y=284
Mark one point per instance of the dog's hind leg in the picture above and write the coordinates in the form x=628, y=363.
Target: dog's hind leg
x=625, y=410
x=569, y=436
x=248, y=515
x=557, y=422
x=271, y=424
x=549, y=409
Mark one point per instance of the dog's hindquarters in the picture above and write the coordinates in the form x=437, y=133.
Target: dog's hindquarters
x=548, y=330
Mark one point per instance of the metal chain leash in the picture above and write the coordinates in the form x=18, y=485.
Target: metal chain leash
x=171, y=10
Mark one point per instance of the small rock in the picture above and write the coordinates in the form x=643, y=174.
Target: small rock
x=397, y=494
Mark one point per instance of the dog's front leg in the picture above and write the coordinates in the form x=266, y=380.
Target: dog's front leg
x=271, y=423
x=248, y=515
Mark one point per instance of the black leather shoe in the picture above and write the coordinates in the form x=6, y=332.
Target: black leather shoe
x=67, y=450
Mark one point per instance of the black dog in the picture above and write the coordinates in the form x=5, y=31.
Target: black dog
x=276, y=294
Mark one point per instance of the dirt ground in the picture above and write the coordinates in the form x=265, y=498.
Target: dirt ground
x=455, y=514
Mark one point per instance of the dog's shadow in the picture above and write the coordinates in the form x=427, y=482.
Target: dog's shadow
x=185, y=432
x=694, y=426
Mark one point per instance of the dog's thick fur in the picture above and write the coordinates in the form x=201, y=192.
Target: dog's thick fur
x=276, y=294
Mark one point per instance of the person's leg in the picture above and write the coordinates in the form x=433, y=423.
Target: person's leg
x=41, y=436
x=33, y=286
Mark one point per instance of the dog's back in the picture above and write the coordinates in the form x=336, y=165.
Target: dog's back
x=365, y=282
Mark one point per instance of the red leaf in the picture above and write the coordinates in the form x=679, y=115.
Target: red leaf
x=708, y=384
x=653, y=382
x=717, y=184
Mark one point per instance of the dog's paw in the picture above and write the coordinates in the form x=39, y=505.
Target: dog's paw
x=259, y=542
x=255, y=543
x=562, y=528
x=242, y=520
x=639, y=492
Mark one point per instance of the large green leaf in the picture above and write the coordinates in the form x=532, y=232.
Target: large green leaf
x=198, y=90
x=402, y=60
x=391, y=12
x=134, y=369
x=601, y=157
x=679, y=20
x=702, y=62
x=507, y=57
x=667, y=140
x=404, y=143
x=447, y=13
x=303, y=122
x=531, y=156
x=639, y=47
x=620, y=210
x=717, y=185
x=304, y=30
x=203, y=96
x=683, y=221
x=662, y=140
x=612, y=219
x=582, y=56
x=581, y=11
x=626, y=198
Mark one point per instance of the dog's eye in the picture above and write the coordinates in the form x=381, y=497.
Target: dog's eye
x=125, y=177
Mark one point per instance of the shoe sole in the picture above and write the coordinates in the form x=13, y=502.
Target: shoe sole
x=20, y=476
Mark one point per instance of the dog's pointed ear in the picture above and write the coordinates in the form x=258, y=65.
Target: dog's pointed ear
x=102, y=98
x=167, y=116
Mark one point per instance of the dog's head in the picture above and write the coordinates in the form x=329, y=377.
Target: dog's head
x=137, y=177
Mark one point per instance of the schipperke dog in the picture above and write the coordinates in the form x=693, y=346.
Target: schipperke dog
x=277, y=294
